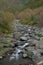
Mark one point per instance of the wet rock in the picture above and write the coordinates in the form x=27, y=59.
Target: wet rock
x=23, y=38
x=1, y=46
x=24, y=55
x=12, y=45
x=1, y=57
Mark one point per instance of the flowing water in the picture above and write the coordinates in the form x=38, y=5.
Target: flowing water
x=16, y=57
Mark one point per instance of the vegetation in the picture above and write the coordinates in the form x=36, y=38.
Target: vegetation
x=31, y=21
x=10, y=7
x=5, y=21
x=39, y=35
x=18, y=5
x=4, y=50
x=34, y=4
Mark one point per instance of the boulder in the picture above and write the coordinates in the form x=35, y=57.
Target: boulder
x=23, y=38
x=24, y=55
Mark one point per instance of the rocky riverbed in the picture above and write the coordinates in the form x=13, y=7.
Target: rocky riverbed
x=25, y=45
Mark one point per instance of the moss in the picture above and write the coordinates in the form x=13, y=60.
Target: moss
x=2, y=54
x=39, y=35
x=4, y=51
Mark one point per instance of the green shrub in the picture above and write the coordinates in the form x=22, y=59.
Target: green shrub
x=31, y=21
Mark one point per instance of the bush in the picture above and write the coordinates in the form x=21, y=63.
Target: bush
x=31, y=21
x=6, y=19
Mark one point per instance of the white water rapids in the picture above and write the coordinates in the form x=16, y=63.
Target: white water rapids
x=18, y=51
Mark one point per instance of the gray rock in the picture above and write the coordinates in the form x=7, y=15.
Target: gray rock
x=24, y=55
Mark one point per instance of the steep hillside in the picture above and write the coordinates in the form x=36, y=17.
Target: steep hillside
x=12, y=5
x=31, y=10
x=26, y=13
x=19, y=5
x=36, y=14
